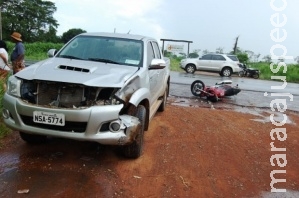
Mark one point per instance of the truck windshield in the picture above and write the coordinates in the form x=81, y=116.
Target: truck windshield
x=104, y=49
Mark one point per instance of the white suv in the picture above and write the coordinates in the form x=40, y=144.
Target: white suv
x=220, y=63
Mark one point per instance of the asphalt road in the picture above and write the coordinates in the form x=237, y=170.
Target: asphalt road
x=255, y=92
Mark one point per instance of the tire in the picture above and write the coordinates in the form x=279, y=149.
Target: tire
x=190, y=69
x=33, y=139
x=134, y=150
x=197, y=87
x=163, y=104
x=241, y=73
x=226, y=72
x=256, y=76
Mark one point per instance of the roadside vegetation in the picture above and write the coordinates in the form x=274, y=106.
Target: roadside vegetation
x=3, y=129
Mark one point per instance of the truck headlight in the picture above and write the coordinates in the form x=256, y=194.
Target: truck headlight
x=13, y=86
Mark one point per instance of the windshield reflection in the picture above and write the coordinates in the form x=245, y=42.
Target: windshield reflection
x=104, y=49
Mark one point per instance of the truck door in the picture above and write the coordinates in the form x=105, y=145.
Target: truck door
x=160, y=72
x=153, y=74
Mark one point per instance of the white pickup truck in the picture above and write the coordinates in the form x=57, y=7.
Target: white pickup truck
x=101, y=87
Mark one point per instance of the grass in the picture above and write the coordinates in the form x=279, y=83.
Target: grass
x=292, y=72
x=3, y=129
x=175, y=64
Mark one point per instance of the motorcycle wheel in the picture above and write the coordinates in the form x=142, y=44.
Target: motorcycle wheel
x=256, y=76
x=197, y=87
x=241, y=73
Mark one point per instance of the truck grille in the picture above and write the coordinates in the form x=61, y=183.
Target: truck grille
x=65, y=95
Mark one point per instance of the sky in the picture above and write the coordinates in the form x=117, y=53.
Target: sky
x=209, y=24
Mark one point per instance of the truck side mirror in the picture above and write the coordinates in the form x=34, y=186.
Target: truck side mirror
x=157, y=64
x=51, y=53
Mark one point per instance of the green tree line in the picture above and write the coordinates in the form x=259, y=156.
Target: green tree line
x=34, y=20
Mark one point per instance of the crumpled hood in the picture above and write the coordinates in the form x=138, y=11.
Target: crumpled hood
x=89, y=73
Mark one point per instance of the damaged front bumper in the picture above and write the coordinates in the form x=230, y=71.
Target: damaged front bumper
x=101, y=124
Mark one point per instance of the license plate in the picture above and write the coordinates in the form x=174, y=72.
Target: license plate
x=49, y=118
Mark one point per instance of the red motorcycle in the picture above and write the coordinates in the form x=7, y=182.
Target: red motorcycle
x=216, y=92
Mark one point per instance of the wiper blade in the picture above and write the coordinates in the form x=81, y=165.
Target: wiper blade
x=70, y=57
x=103, y=60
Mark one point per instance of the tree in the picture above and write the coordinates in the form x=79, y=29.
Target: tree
x=193, y=55
x=257, y=56
x=243, y=57
x=250, y=54
x=281, y=59
x=71, y=33
x=167, y=53
x=205, y=52
x=32, y=18
x=183, y=55
x=267, y=58
x=219, y=50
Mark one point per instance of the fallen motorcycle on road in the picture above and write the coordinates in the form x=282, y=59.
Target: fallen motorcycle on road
x=249, y=72
x=214, y=93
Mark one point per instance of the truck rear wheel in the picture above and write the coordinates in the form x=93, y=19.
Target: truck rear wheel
x=163, y=104
x=134, y=150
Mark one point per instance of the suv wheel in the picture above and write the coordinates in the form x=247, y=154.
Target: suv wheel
x=134, y=150
x=190, y=69
x=226, y=72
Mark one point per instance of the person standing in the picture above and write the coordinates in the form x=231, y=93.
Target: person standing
x=3, y=56
x=4, y=67
x=18, y=53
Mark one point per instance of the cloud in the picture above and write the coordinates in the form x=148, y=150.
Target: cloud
x=136, y=16
x=134, y=8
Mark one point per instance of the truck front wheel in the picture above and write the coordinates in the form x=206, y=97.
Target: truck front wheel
x=134, y=150
x=33, y=139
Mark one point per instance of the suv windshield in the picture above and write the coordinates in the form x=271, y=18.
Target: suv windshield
x=104, y=49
